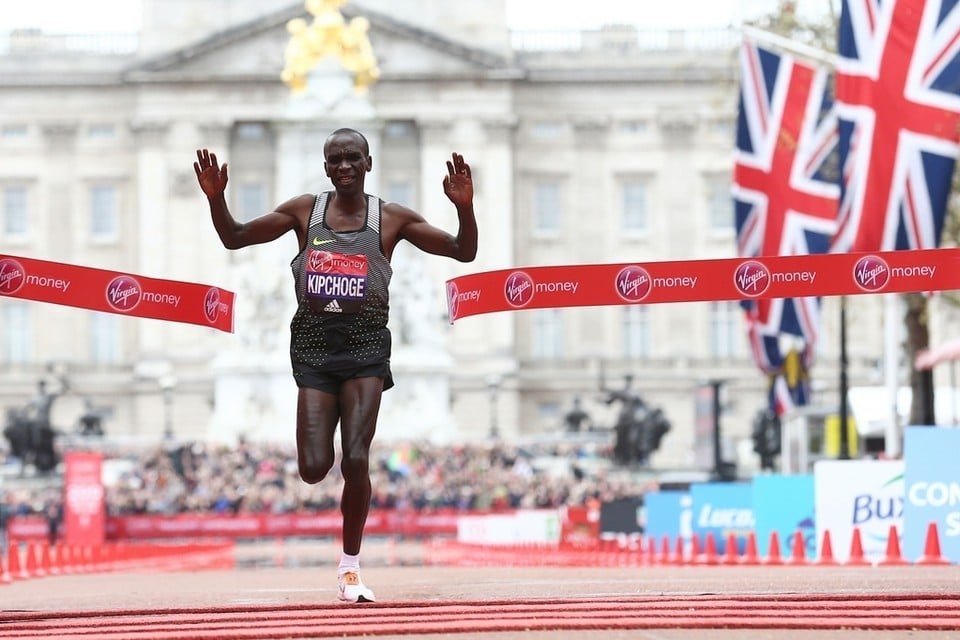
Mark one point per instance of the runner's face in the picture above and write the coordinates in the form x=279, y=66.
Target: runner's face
x=346, y=161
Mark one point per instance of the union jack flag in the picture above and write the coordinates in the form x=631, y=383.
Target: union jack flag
x=788, y=373
x=898, y=102
x=790, y=386
x=785, y=183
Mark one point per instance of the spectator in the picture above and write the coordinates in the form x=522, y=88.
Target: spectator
x=53, y=512
x=262, y=478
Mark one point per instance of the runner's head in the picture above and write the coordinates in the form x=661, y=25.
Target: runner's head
x=347, y=160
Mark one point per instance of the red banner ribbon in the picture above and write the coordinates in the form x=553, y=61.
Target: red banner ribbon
x=116, y=292
x=587, y=285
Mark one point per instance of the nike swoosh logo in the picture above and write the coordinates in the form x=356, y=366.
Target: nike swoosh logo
x=317, y=241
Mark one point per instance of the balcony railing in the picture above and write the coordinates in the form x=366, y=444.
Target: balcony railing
x=24, y=42
x=624, y=38
x=607, y=39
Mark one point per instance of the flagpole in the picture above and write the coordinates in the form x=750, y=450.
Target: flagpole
x=844, y=453
x=789, y=45
x=892, y=434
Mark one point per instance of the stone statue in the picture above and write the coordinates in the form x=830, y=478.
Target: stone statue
x=576, y=418
x=628, y=447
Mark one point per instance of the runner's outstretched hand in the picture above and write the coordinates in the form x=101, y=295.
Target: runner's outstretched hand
x=211, y=176
x=458, y=183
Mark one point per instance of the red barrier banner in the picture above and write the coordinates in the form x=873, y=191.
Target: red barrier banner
x=84, y=511
x=579, y=527
x=265, y=525
x=27, y=528
x=116, y=292
x=256, y=525
x=588, y=285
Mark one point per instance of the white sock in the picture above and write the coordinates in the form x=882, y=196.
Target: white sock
x=348, y=563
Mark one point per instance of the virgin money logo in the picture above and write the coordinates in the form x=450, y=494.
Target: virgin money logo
x=634, y=283
x=518, y=289
x=212, y=307
x=871, y=273
x=752, y=278
x=124, y=293
x=319, y=261
x=12, y=276
x=453, y=302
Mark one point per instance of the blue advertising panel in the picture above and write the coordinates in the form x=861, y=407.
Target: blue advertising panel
x=667, y=514
x=931, y=490
x=722, y=508
x=784, y=504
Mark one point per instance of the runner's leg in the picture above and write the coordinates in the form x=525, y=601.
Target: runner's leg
x=317, y=415
x=359, y=407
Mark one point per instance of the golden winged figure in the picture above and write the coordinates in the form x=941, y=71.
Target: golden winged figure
x=329, y=34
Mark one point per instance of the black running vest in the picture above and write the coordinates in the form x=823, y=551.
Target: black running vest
x=342, y=284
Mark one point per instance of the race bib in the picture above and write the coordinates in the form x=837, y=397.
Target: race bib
x=336, y=283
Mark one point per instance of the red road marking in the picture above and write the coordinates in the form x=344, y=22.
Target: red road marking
x=926, y=612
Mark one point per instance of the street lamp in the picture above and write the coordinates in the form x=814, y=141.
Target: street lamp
x=493, y=384
x=167, y=384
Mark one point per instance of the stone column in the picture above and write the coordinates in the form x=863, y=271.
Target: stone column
x=484, y=343
x=679, y=178
x=61, y=140
x=419, y=405
x=152, y=234
x=60, y=225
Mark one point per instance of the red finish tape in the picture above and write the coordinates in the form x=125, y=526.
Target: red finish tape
x=586, y=285
x=116, y=292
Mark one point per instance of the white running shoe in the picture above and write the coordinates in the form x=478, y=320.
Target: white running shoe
x=352, y=588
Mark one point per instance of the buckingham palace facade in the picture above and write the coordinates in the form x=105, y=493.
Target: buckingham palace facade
x=605, y=146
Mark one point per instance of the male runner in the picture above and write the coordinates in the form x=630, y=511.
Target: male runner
x=339, y=341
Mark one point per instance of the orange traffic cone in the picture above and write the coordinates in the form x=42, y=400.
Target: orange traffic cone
x=773, y=554
x=678, y=551
x=31, y=565
x=48, y=553
x=709, y=550
x=694, y=547
x=665, y=549
x=798, y=550
x=931, y=547
x=13, y=561
x=65, y=558
x=5, y=577
x=893, y=556
x=750, y=556
x=730, y=555
x=856, y=558
x=826, y=551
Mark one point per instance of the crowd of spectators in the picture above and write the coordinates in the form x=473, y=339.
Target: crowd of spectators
x=249, y=477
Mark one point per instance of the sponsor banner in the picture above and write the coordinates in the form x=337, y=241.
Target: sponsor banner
x=27, y=528
x=622, y=515
x=115, y=292
x=784, y=504
x=723, y=508
x=254, y=525
x=668, y=513
x=866, y=494
x=932, y=490
x=587, y=285
x=579, y=526
x=84, y=508
x=525, y=526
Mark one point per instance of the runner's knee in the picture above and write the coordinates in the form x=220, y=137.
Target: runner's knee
x=355, y=467
x=313, y=471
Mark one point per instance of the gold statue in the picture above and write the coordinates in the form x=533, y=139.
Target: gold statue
x=329, y=35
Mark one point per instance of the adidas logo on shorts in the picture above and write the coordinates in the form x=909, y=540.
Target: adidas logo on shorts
x=333, y=307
